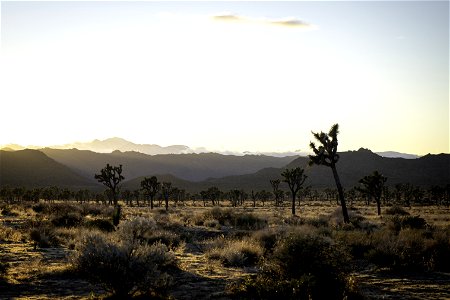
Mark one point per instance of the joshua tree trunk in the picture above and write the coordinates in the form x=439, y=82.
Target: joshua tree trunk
x=293, y=203
x=341, y=194
x=378, y=200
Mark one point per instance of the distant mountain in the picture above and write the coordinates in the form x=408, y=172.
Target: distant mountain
x=112, y=144
x=393, y=154
x=194, y=167
x=195, y=172
x=352, y=166
x=32, y=168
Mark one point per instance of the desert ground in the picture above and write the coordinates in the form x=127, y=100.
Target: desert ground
x=222, y=252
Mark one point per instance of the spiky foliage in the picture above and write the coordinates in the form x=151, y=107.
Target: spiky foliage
x=151, y=187
x=295, y=179
x=111, y=176
x=372, y=186
x=326, y=154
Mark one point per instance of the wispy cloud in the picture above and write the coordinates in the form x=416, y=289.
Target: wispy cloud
x=286, y=22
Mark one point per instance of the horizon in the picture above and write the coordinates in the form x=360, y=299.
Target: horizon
x=227, y=76
x=190, y=150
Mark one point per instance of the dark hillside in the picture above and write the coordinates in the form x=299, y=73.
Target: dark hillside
x=32, y=168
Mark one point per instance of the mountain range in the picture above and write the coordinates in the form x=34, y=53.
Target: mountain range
x=194, y=172
x=112, y=144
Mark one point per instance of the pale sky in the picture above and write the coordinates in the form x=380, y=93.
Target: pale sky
x=238, y=76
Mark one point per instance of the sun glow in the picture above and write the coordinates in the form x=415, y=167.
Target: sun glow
x=210, y=79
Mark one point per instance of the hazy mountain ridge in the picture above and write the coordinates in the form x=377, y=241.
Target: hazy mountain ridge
x=352, y=166
x=36, y=168
x=32, y=168
x=193, y=167
x=112, y=144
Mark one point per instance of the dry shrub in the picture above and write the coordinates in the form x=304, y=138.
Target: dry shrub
x=8, y=234
x=101, y=224
x=396, y=210
x=229, y=217
x=122, y=262
x=235, y=253
x=303, y=265
x=44, y=237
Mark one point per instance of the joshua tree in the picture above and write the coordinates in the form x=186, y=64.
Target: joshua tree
x=111, y=176
x=326, y=154
x=213, y=193
x=372, y=186
x=276, y=191
x=166, y=190
x=295, y=179
x=150, y=186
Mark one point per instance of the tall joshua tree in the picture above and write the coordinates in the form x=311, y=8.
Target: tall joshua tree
x=111, y=176
x=326, y=155
x=295, y=179
x=275, y=183
x=150, y=186
x=372, y=186
x=166, y=190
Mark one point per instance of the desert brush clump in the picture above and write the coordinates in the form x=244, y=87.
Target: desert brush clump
x=8, y=234
x=302, y=265
x=396, y=210
x=235, y=252
x=123, y=262
x=43, y=237
x=229, y=217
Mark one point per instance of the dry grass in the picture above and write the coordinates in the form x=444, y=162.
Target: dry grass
x=215, y=247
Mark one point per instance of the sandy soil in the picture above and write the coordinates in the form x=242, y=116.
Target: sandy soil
x=44, y=273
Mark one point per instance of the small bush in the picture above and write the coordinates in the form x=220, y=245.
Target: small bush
x=136, y=229
x=170, y=239
x=124, y=267
x=236, y=253
x=211, y=223
x=396, y=223
x=396, y=210
x=101, y=224
x=8, y=234
x=67, y=219
x=228, y=217
x=43, y=237
x=302, y=266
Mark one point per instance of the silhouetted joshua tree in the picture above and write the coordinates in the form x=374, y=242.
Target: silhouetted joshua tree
x=166, y=190
x=295, y=179
x=372, y=186
x=326, y=155
x=111, y=176
x=276, y=191
x=151, y=187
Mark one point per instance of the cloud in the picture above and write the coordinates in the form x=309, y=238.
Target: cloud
x=286, y=22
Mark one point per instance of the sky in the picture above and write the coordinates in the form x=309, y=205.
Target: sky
x=236, y=76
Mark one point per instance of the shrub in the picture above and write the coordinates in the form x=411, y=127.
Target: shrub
x=43, y=237
x=438, y=249
x=236, y=253
x=8, y=234
x=267, y=239
x=124, y=267
x=101, y=224
x=170, y=239
x=228, y=217
x=67, y=219
x=396, y=210
x=396, y=223
x=302, y=266
x=136, y=229
x=211, y=223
